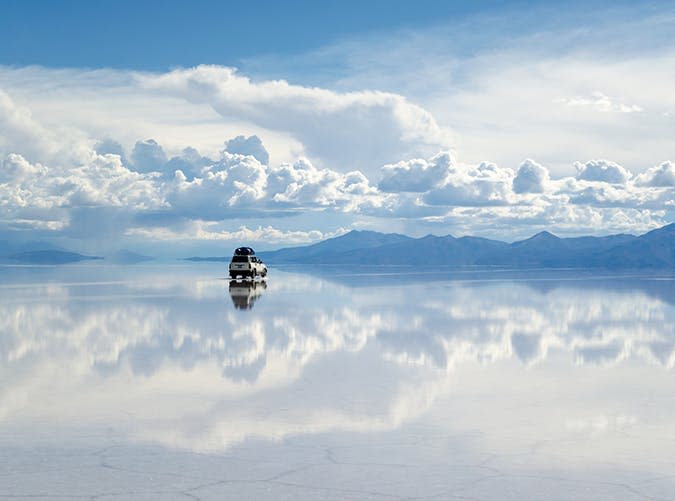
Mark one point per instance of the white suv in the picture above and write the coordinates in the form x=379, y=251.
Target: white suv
x=246, y=264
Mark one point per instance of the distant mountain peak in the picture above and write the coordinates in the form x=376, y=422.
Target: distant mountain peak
x=544, y=235
x=432, y=237
x=356, y=233
x=544, y=238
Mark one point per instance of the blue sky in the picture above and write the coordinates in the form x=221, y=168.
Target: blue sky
x=118, y=120
x=159, y=35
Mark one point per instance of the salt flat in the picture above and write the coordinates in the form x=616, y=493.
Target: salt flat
x=169, y=381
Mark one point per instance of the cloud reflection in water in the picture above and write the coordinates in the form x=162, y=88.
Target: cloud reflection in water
x=316, y=355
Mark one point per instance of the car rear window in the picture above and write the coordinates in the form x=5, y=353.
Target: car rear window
x=240, y=259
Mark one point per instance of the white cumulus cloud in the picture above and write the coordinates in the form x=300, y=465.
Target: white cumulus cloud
x=417, y=175
x=64, y=181
x=659, y=176
x=530, y=178
x=251, y=145
x=148, y=156
x=236, y=180
x=479, y=185
x=603, y=171
x=346, y=131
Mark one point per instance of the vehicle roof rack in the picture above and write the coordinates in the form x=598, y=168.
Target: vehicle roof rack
x=244, y=251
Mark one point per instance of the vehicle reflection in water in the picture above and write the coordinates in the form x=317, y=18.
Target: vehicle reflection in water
x=245, y=293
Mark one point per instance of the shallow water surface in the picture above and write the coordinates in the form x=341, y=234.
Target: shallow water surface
x=169, y=381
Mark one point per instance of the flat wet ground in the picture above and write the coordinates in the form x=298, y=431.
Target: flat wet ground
x=171, y=381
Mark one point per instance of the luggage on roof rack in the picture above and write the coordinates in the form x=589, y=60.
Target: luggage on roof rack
x=244, y=251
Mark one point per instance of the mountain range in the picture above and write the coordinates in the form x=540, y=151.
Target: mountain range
x=652, y=250
x=46, y=253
